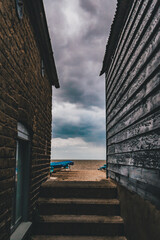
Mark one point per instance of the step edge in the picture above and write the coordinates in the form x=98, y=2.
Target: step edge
x=83, y=219
x=51, y=237
x=78, y=200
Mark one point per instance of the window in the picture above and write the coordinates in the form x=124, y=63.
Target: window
x=19, y=7
x=42, y=69
x=20, y=201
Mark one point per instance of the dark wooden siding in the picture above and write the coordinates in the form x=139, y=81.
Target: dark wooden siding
x=133, y=103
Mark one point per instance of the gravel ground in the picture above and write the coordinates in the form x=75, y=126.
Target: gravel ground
x=82, y=170
x=85, y=164
x=79, y=175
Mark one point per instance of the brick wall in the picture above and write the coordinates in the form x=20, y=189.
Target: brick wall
x=25, y=96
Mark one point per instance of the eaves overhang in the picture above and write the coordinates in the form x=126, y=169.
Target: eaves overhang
x=39, y=23
x=122, y=10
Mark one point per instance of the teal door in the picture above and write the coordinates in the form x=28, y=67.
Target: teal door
x=20, y=201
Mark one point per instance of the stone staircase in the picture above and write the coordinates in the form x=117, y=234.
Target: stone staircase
x=80, y=211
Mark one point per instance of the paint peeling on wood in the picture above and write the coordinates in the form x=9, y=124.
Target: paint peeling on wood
x=133, y=103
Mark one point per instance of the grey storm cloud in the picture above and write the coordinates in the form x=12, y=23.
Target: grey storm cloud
x=79, y=96
x=79, y=56
x=87, y=131
x=88, y=6
x=79, y=30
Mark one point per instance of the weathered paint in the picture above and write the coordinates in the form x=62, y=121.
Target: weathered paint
x=133, y=101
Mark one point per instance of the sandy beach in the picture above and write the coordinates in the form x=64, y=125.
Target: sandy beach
x=82, y=170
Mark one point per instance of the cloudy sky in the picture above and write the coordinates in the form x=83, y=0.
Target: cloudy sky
x=79, y=30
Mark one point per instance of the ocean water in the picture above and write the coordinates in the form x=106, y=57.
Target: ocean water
x=85, y=164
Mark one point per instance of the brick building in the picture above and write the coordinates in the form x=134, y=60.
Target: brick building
x=131, y=67
x=27, y=74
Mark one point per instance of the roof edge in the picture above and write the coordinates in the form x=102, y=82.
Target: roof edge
x=38, y=19
x=121, y=13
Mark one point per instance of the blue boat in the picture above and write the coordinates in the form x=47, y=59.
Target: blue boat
x=103, y=167
x=63, y=164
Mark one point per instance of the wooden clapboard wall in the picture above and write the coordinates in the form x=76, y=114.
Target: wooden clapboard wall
x=133, y=102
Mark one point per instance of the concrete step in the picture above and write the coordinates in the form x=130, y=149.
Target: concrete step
x=76, y=206
x=45, y=237
x=104, y=190
x=86, y=225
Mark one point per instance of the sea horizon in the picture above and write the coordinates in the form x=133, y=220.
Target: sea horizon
x=84, y=164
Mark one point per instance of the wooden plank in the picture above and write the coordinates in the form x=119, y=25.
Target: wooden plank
x=131, y=98
x=146, y=191
x=134, y=69
x=147, y=159
x=149, y=176
x=142, y=110
x=137, y=38
x=124, y=35
x=132, y=27
x=132, y=87
x=133, y=110
x=150, y=140
x=147, y=124
x=135, y=45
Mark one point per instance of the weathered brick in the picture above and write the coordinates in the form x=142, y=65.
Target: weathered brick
x=7, y=152
x=25, y=96
x=7, y=163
